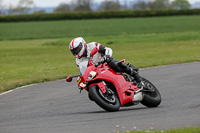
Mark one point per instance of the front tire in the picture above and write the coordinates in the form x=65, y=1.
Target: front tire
x=152, y=97
x=109, y=103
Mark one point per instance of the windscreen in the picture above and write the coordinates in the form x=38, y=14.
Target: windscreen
x=82, y=67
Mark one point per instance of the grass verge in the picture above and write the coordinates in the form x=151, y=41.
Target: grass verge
x=184, y=130
x=32, y=61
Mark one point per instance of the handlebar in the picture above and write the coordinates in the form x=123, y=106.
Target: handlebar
x=70, y=77
x=103, y=60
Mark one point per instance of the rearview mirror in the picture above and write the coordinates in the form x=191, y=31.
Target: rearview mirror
x=69, y=78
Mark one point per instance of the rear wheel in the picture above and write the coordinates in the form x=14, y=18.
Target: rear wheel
x=152, y=97
x=108, y=101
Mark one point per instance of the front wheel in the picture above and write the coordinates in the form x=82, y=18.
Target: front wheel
x=152, y=97
x=109, y=101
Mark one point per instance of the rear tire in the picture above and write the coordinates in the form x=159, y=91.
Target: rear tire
x=96, y=95
x=153, y=98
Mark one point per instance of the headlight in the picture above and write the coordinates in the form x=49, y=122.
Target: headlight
x=91, y=75
x=82, y=85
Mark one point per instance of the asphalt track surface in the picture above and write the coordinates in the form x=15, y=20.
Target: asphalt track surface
x=58, y=107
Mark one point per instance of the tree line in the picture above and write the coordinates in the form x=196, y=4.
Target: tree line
x=24, y=6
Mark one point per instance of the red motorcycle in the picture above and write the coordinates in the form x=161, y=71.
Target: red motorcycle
x=112, y=90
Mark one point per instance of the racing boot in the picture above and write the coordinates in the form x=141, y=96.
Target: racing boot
x=123, y=67
x=137, y=77
x=129, y=70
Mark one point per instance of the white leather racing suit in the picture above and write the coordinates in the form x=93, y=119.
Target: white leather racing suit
x=96, y=57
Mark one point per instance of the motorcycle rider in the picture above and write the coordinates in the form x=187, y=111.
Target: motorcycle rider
x=83, y=52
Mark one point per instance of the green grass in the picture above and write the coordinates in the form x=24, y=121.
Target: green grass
x=144, y=42
x=32, y=61
x=98, y=27
x=24, y=62
x=183, y=130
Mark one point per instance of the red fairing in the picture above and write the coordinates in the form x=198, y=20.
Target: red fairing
x=88, y=70
x=100, y=85
x=124, y=88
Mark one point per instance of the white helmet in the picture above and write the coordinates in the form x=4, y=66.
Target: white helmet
x=77, y=46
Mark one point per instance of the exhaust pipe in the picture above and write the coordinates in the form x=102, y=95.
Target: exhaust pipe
x=138, y=97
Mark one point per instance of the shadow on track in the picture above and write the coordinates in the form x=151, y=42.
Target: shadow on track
x=105, y=112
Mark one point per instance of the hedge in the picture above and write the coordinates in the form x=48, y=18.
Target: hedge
x=97, y=15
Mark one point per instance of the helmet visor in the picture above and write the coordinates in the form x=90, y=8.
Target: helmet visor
x=76, y=50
